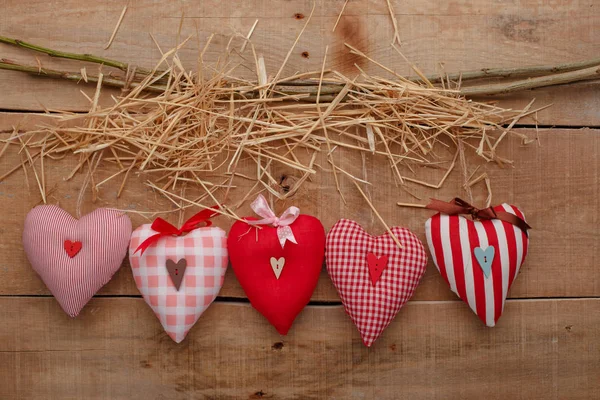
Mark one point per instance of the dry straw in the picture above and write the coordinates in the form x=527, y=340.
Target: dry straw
x=214, y=131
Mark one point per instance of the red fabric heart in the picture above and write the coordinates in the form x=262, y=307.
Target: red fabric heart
x=72, y=248
x=250, y=252
x=103, y=240
x=373, y=306
x=452, y=241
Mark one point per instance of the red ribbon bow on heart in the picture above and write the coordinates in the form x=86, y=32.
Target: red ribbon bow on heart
x=459, y=206
x=166, y=229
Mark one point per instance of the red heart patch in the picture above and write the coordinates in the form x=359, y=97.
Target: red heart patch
x=72, y=248
x=376, y=266
x=75, y=280
x=478, y=259
x=257, y=257
x=352, y=255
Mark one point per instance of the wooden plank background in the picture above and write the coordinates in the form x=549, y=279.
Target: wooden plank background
x=547, y=344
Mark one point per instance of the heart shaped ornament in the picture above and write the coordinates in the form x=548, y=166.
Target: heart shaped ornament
x=478, y=259
x=75, y=258
x=180, y=273
x=277, y=266
x=373, y=276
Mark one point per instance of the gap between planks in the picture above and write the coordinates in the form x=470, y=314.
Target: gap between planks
x=315, y=303
x=522, y=125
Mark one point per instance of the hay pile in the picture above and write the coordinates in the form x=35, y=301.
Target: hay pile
x=182, y=128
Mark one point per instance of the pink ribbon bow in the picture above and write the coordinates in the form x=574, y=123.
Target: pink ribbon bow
x=284, y=231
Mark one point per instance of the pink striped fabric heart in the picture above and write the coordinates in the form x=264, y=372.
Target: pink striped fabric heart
x=205, y=253
x=372, y=297
x=478, y=259
x=75, y=258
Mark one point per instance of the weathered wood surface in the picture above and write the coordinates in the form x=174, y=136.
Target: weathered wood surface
x=460, y=35
x=116, y=349
x=435, y=348
x=544, y=183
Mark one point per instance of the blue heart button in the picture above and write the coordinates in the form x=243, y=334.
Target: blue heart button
x=485, y=258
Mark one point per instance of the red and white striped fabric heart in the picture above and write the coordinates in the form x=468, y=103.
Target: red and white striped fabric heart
x=478, y=259
x=205, y=253
x=75, y=258
x=355, y=260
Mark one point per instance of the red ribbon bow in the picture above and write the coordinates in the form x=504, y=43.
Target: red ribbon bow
x=166, y=229
x=459, y=206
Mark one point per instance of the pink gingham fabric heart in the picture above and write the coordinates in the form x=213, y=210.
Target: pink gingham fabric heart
x=373, y=303
x=205, y=254
x=75, y=258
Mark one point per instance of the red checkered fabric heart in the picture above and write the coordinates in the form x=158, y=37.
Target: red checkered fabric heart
x=453, y=242
x=372, y=307
x=97, y=244
x=205, y=254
